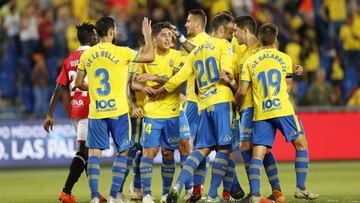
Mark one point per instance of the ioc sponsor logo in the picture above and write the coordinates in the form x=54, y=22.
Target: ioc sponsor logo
x=271, y=103
x=103, y=104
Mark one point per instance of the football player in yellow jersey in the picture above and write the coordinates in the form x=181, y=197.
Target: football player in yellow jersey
x=246, y=29
x=215, y=104
x=106, y=68
x=269, y=72
x=137, y=114
x=136, y=108
x=195, y=26
x=161, y=121
x=246, y=34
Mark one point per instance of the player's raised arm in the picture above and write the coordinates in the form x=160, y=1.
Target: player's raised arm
x=148, y=54
x=188, y=46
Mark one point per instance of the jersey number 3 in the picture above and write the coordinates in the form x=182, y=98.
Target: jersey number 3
x=104, y=82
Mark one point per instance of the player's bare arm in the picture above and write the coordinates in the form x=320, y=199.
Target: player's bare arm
x=140, y=86
x=289, y=83
x=49, y=120
x=148, y=54
x=79, y=81
x=241, y=92
x=148, y=77
x=137, y=112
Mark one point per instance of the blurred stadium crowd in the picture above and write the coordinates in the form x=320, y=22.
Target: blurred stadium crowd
x=36, y=35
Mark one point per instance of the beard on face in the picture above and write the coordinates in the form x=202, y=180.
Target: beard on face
x=113, y=41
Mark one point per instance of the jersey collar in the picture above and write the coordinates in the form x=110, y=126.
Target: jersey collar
x=82, y=48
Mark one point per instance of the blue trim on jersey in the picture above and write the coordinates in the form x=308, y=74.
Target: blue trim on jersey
x=99, y=131
x=246, y=124
x=192, y=114
x=215, y=127
x=265, y=130
x=160, y=132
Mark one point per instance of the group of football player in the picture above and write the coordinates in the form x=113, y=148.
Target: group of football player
x=226, y=91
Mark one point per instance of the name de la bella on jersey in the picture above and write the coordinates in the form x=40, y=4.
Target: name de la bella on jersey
x=104, y=54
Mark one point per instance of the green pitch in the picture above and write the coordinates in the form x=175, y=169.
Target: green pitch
x=334, y=181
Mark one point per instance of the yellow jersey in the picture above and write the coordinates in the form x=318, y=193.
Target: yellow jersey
x=190, y=84
x=140, y=96
x=206, y=62
x=163, y=66
x=248, y=101
x=267, y=70
x=337, y=9
x=106, y=66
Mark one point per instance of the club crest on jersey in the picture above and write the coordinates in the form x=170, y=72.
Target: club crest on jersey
x=171, y=63
x=230, y=51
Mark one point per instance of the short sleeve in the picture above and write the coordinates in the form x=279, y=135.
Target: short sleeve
x=82, y=63
x=62, y=79
x=289, y=67
x=226, y=58
x=140, y=68
x=245, y=72
x=130, y=54
x=235, y=64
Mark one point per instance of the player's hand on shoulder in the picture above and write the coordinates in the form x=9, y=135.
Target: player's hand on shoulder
x=48, y=124
x=137, y=112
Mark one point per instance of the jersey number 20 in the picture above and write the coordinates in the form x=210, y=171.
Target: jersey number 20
x=211, y=69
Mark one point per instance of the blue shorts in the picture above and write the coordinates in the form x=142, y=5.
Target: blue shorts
x=184, y=127
x=246, y=124
x=160, y=132
x=235, y=146
x=215, y=127
x=136, y=128
x=192, y=113
x=118, y=127
x=264, y=131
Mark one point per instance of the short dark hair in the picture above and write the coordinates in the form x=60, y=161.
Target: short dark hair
x=221, y=19
x=103, y=25
x=159, y=26
x=267, y=34
x=248, y=22
x=201, y=14
x=84, y=32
